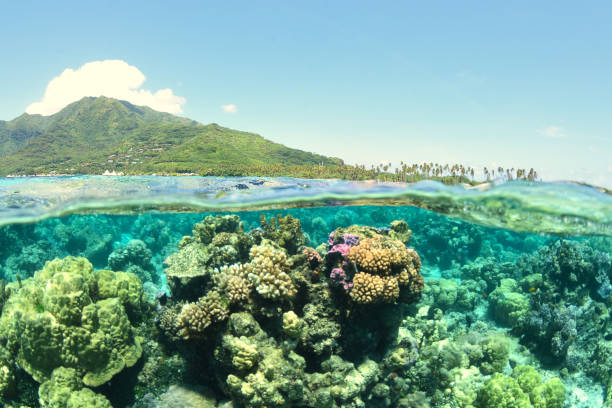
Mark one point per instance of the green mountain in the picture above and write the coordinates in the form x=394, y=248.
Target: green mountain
x=98, y=134
x=17, y=132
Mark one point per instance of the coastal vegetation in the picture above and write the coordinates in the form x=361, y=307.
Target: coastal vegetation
x=101, y=135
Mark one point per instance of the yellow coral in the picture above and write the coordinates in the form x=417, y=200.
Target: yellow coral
x=385, y=266
x=269, y=266
x=378, y=255
x=369, y=288
x=292, y=325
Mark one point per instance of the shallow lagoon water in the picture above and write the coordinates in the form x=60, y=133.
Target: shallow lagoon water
x=512, y=316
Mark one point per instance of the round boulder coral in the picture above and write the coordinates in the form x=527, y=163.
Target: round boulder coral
x=59, y=318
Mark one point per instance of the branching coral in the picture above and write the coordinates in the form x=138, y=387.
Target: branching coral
x=194, y=318
x=269, y=269
x=234, y=282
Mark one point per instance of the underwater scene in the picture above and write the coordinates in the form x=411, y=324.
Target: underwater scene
x=309, y=295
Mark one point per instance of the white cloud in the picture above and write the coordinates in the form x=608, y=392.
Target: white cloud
x=553, y=131
x=231, y=108
x=111, y=78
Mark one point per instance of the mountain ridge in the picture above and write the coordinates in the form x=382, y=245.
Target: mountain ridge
x=98, y=134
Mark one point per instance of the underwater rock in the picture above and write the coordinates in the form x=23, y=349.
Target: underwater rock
x=29, y=259
x=489, y=270
x=574, y=269
x=7, y=373
x=91, y=238
x=551, y=329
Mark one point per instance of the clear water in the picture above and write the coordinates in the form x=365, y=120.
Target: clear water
x=515, y=276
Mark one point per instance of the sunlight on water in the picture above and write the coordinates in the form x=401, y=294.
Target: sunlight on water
x=559, y=208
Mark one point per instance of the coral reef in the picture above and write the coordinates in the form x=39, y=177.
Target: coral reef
x=216, y=242
x=262, y=313
x=285, y=231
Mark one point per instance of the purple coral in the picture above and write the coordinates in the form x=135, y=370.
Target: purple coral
x=338, y=251
x=351, y=239
x=341, y=249
x=339, y=277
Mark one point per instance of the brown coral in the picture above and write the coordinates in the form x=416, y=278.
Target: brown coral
x=194, y=318
x=387, y=271
x=369, y=288
x=312, y=256
x=379, y=255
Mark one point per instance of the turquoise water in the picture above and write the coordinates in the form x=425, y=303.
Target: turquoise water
x=175, y=292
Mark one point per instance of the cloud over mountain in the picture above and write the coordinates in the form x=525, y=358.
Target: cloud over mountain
x=111, y=78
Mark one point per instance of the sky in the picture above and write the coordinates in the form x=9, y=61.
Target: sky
x=490, y=83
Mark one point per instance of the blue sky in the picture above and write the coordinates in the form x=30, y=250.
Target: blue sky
x=516, y=84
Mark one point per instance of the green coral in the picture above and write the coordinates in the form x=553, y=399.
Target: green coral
x=7, y=373
x=285, y=231
x=399, y=230
x=527, y=377
x=64, y=389
x=508, y=304
x=524, y=389
x=237, y=353
x=495, y=352
x=444, y=292
x=259, y=372
x=502, y=392
x=551, y=394
x=127, y=287
x=58, y=318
